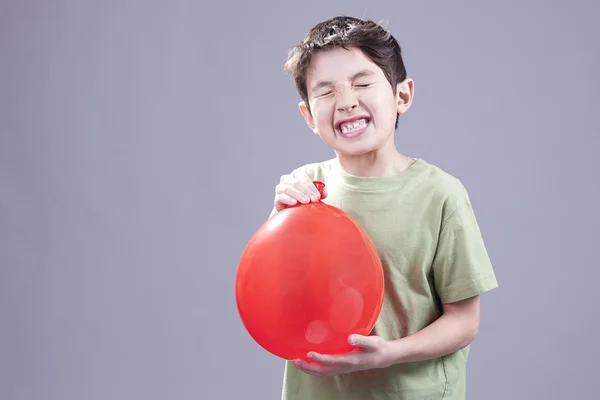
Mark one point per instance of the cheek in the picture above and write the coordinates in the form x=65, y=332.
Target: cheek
x=384, y=108
x=324, y=117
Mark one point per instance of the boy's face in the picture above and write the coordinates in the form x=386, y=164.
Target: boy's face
x=353, y=108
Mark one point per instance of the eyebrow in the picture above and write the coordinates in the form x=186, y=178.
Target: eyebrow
x=359, y=74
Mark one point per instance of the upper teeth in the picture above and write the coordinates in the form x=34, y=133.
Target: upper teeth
x=353, y=126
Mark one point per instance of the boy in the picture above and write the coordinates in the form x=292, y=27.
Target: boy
x=354, y=87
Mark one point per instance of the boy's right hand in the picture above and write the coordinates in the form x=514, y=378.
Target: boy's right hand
x=296, y=187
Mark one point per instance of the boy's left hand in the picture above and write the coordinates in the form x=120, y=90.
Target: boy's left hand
x=373, y=353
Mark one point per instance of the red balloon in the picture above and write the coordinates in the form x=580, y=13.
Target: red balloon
x=308, y=278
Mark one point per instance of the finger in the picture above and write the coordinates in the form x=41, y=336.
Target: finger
x=303, y=182
x=364, y=342
x=293, y=187
x=292, y=192
x=283, y=200
x=339, y=360
x=325, y=193
x=317, y=370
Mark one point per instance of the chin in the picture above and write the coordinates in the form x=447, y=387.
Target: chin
x=357, y=146
x=357, y=151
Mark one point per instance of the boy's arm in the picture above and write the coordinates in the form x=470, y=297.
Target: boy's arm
x=454, y=330
x=462, y=270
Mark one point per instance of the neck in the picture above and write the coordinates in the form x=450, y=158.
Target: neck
x=378, y=163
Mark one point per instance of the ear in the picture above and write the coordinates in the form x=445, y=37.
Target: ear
x=404, y=95
x=308, y=117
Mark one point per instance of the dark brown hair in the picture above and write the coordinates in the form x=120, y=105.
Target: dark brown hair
x=371, y=38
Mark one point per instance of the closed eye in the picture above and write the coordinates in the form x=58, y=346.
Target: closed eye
x=363, y=85
x=325, y=94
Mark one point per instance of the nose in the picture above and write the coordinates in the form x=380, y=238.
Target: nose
x=348, y=101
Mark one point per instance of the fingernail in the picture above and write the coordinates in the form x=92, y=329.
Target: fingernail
x=352, y=340
x=314, y=197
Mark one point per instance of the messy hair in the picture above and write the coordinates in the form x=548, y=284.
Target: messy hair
x=371, y=38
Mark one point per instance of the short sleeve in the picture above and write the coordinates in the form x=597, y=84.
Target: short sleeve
x=461, y=265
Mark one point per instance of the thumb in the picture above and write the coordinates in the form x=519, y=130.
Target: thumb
x=365, y=342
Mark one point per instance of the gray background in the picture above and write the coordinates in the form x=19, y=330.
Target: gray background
x=140, y=143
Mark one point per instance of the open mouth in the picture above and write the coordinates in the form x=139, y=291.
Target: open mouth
x=354, y=127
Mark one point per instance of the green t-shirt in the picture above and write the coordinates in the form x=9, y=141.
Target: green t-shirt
x=423, y=226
